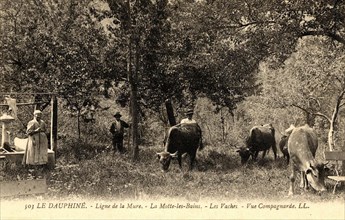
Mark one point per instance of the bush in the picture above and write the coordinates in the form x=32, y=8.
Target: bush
x=74, y=150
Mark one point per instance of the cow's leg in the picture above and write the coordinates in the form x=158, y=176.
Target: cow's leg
x=114, y=145
x=264, y=154
x=274, y=148
x=301, y=185
x=179, y=158
x=256, y=153
x=286, y=155
x=292, y=180
x=192, y=160
x=304, y=181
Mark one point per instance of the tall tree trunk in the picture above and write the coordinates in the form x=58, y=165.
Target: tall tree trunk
x=134, y=104
x=133, y=78
x=54, y=124
x=331, y=135
x=78, y=123
x=222, y=122
x=333, y=120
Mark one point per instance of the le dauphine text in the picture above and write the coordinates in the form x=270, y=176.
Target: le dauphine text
x=163, y=205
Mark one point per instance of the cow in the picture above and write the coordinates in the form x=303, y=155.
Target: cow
x=181, y=139
x=261, y=138
x=283, y=147
x=302, y=146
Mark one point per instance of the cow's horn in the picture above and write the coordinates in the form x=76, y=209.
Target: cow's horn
x=174, y=154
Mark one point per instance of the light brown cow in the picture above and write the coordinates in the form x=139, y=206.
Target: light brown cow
x=302, y=146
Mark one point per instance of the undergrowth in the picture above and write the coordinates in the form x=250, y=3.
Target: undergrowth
x=87, y=167
x=218, y=173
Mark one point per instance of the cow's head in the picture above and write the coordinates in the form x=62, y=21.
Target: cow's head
x=283, y=144
x=315, y=174
x=244, y=153
x=165, y=159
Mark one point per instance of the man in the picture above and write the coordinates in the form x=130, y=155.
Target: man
x=117, y=130
x=189, y=119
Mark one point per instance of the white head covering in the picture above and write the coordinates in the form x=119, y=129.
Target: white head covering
x=37, y=112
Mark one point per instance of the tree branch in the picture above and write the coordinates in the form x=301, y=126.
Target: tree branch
x=303, y=109
x=322, y=115
x=240, y=25
x=313, y=113
x=334, y=36
x=340, y=97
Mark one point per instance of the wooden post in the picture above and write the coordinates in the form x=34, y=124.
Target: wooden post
x=54, y=125
x=170, y=112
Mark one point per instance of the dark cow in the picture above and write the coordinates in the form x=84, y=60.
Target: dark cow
x=181, y=139
x=283, y=147
x=261, y=138
x=302, y=146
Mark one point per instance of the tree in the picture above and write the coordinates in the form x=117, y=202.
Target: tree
x=261, y=31
x=53, y=46
x=231, y=38
x=221, y=42
x=129, y=15
x=209, y=54
x=312, y=80
x=159, y=49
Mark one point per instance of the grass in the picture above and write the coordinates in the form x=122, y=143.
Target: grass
x=218, y=174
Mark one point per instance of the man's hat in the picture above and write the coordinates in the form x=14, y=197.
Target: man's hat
x=117, y=114
x=189, y=112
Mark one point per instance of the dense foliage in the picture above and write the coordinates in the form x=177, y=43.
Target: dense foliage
x=245, y=57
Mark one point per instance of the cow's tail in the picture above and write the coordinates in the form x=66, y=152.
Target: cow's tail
x=249, y=139
x=273, y=130
x=201, y=144
x=274, y=144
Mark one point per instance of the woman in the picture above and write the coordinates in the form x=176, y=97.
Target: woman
x=36, y=152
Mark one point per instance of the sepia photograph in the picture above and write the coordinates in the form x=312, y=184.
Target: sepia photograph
x=172, y=109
